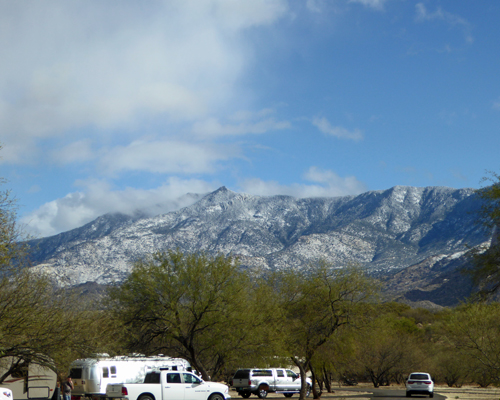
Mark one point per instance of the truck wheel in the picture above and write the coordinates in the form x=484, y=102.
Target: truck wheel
x=245, y=395
x=146, y=397
x=216, y=396
x=288, y=394
x=308, y=390
x=262, y=393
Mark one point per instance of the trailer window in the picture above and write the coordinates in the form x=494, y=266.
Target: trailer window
x=112, y=370
x=105, y=372
x=20, y=372
x=75, y=373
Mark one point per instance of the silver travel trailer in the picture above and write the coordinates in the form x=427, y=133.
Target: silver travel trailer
x=91, y=375
x=35, y=382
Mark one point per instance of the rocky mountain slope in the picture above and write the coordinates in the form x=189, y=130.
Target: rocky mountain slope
x=380, y=230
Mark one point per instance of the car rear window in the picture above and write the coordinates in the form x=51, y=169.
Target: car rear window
x=242, y=374
x=262, y=372
x=419, y=377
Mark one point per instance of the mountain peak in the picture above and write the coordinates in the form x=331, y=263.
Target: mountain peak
x=221, y=195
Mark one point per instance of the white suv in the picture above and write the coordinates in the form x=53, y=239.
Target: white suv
x=261, y=381
x=419, y=383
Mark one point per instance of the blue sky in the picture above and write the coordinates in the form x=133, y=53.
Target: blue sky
x=119, y=105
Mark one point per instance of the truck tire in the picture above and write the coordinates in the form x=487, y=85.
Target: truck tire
x=288, y=394
x=146, y=397
x=216, y=396
x=245, y=395
x=262, y=392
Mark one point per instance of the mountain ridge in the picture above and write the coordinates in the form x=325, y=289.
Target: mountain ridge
x=380, y=230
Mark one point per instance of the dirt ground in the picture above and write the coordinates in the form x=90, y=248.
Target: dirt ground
x=463, y=393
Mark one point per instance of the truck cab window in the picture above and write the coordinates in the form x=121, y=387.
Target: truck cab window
x=291, y=374
x=173, y=378
x=188, y=378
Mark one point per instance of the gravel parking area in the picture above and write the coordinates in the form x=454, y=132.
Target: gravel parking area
x=464, y=393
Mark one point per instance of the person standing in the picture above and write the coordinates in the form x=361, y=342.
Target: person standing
x=67, y=388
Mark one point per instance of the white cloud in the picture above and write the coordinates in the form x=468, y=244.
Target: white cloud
x=314, y=6
x=376, y=4
x=451, y=19
x=97, y=198
x=496, y=105
x=108, y=65
x=339, y=132
x=325, y=183
x=167, y=156
x=78, y=151
x=242, y=123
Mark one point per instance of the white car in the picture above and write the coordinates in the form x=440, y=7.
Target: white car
x=419, y=383
x=6, y=394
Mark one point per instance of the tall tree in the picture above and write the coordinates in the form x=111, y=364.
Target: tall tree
x=315, y=302
x=38, y=322
x=485, y=271
x=388, y=347
x=472, y=330
x=194, y=306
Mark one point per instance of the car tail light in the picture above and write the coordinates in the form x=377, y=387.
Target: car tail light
x=427, y=382
x=124, y=391
x=410, y=382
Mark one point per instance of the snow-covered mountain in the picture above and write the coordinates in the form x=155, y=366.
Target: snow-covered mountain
x=380, y=230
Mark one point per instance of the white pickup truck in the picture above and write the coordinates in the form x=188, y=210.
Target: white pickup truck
x=169, y=385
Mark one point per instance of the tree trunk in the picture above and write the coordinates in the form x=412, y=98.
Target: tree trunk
x=303, y=376
x=316, y=393
x=326, y=380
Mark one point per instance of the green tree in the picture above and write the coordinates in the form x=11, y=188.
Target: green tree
x=314, y=303
x=485, y=271
x=194, y=306
x=43, y=325
x=473, y=331
x=39, y=323
x=388, y=347
x=337, y=359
